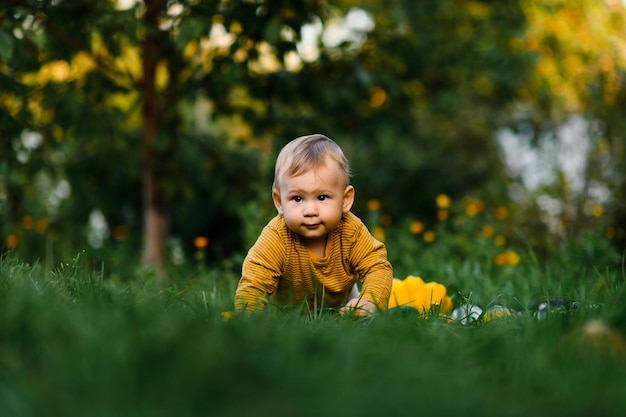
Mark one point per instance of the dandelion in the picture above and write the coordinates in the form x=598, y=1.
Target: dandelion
x=513, y=258
x=429, y=236
x=488, y=231
x=416, y=227
x=499, y=240
x=501, y=212
x=378, y=233
x=373, y=204
x=508, y=258
x=12, y=241
x=473, y=207
x=41, y=225
x=27, y=222
x=443, y=201
x=597, y=211
x=500, y=259
x=378, y=97
x=610, y=232
x=201, y=242
x=443, y=215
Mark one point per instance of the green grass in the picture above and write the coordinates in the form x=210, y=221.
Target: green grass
x=79, y=341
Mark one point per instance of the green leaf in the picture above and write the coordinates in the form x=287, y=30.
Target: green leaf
x=272, y=30
x=6, y=46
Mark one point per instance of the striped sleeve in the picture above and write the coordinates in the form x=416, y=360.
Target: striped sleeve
x=261, y=271
x=369, y=257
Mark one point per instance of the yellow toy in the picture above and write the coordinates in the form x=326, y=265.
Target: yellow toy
x=425, y=297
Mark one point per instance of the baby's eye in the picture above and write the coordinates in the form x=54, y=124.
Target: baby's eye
x=297, y=199
x=322, y=197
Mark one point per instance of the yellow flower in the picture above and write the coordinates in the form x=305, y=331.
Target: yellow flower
x=41, y=225
x=429, y=236
x=610, y=232
x=442, y=215
x=414, y=292
x=488, y=231
x=443, y=201
x=501, y=212
x=499, y=240
x=508, y=258
x=597, y=211
x=378, y=97
x=201, y=242
x=378, y=233
x=373, y=205
x=27, y=222
x=12, y=241
x=416, y=227
x=471, y=210
x=513, y=258
x=500, y=259
x=472, y=206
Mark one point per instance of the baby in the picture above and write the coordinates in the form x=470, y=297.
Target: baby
x=314, y=251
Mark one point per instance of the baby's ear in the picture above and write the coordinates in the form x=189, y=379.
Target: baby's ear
x=348, y=198
x=277, y=202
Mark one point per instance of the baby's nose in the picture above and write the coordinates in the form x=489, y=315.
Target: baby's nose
x=310, y=208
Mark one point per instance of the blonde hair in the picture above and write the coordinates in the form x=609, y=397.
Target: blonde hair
x=309, y=152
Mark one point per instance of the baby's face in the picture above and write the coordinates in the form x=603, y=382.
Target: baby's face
x=314, y=202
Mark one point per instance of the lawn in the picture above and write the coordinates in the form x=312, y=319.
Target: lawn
x=78, y=341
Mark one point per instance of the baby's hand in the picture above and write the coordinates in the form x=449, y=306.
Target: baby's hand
x=358, y=307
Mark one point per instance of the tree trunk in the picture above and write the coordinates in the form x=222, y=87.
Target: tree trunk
x=156, y=222
x=155, y=205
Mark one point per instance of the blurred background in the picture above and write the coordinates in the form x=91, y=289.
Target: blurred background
x=146, y=131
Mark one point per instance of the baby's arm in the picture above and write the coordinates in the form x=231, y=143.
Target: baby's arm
x=260, y=273
x=375, y=272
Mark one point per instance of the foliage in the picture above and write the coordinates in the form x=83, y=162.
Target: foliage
x=420, y=95
x=579, y=71
x=415, y=93
x=99, y=84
